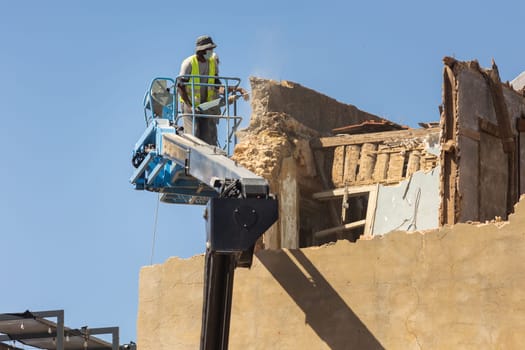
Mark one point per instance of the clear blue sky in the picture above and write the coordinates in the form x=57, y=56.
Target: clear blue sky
x=74, y=233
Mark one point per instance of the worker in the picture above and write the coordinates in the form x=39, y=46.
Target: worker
x=203, y=62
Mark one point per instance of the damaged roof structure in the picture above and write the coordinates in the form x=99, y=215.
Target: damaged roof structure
x=342, y=173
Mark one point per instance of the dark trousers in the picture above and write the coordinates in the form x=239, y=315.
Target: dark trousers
x=205, y=128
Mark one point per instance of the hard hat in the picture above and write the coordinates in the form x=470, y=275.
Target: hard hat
x=204, y=42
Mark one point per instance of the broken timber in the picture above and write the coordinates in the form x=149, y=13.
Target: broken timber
x=346, y=192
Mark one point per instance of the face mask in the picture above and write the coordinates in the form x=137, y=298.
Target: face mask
x=208, y=54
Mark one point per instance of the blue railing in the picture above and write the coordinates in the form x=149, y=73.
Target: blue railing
x=162, y=100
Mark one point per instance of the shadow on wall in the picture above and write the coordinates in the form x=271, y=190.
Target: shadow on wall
x=325, y=311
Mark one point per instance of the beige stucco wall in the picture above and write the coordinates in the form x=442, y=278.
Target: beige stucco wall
x=460, y=287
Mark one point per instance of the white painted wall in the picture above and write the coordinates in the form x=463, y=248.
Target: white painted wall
x=411, y=205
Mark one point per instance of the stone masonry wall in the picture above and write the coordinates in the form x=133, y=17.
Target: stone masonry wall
x=456, y=287
x=285, y=117
x=282, y=123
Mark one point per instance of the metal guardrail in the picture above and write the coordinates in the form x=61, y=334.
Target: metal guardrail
x=162, y=100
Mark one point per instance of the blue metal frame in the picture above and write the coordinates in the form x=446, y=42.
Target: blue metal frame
x=168, y=111
x=229, y=82
x=169, y=176
x=188, y=171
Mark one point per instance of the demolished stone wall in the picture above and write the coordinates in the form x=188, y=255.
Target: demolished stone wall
x=483, y=157
x=290, y=142
x=285, y=118
x=456, y=287
x=311, y=108
x=391, y=179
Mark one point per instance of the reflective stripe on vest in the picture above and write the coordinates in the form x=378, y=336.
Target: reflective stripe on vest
x=196, y=81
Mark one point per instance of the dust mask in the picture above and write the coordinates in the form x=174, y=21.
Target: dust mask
x=207, y=55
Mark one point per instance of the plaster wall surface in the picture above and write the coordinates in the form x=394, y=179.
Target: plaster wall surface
x=518, y=83
x=411, y=205
x=455, y=287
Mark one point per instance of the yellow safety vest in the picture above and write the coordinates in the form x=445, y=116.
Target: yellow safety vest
x=196, y=81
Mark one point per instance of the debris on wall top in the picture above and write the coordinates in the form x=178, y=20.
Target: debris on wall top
x=369, y=126
x=335, y=152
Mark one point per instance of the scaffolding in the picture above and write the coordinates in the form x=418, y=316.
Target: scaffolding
x=35, y=329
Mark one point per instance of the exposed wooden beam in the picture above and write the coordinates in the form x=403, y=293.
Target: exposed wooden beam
x=337, y=229
x=371, y=211
x=334, y=141
x=319, y=161
x=352, y=191
x=449, y=158
x=489, y=128
x=471, y=134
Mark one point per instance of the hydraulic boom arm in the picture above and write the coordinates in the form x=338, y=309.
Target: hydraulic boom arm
x=186, y=170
